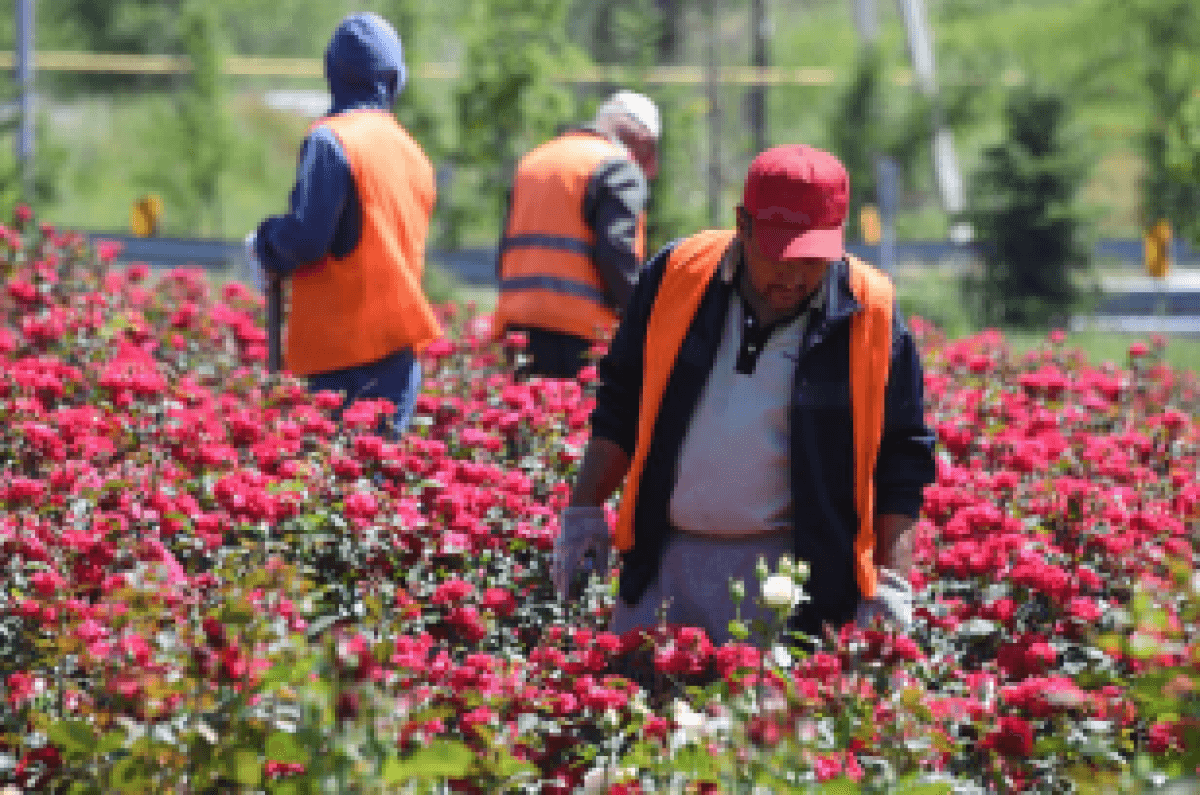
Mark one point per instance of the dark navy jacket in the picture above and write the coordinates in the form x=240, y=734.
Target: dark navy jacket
x=364, y=67
x=822, y=448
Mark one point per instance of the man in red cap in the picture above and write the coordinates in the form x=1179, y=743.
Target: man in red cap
x=762, y=398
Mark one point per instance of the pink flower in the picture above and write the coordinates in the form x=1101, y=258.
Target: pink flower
x=476, y=718
x=827, y=767
x=499, y=600
x=107, y=250
x=361, y=505
x=452, y=591
x=1012, y=737
x=47, y=583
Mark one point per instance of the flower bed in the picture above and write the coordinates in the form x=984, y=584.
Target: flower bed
x=211, y=586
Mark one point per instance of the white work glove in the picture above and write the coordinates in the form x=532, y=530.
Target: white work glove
x=256, y=271
x=581, y=549
x=893, y=603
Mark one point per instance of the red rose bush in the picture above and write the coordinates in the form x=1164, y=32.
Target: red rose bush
x=211, y=584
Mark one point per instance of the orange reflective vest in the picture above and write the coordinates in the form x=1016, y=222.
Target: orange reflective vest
x=547, y=279
x=370, y=303
x=686, y=277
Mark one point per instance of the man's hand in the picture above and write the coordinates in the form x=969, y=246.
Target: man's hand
x=893, y=603
x=582, y=530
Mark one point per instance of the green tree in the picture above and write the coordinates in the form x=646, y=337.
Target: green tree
x=871, y=118
x=422, y=107
x=116, y=26
x=507, y=102
x=1027, y=216
x=1183, y=158
x=1159, y=39
x=857, y=135
x=634, y=35
x=192, y=134
x=47, y=167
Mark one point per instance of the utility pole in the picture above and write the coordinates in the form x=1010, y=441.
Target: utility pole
x=759, y=37
x=886, y=172
x=24, y=64
x=945, y=164
x=714, y=115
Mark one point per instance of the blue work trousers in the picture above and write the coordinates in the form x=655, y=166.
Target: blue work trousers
x=396, y=377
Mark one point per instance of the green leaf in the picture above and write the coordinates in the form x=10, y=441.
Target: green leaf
x=289, y=786
x=110, y=742
x=509, y=766
x=244, y=766
x=693, y=760
x=440, y=759
x=925, y=788
x=125, y=773
x=282, y=747
x=72, y=736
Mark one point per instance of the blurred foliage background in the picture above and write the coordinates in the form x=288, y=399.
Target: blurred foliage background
x=489, y=79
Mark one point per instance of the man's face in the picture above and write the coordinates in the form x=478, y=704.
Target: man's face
x=643, y=147
x=780, y=284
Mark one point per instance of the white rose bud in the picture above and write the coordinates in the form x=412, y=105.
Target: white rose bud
x=800, y=571
x=786, y=565
x=780, y=592
x=737, y=591
x=760, y=569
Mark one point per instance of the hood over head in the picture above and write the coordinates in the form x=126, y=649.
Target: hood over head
x=364, y=63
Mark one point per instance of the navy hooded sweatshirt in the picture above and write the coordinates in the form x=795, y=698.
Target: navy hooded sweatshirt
x=364, y=67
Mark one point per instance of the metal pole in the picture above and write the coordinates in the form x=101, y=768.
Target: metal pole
x=274, y=323
x=24, y=71
x=759, y=26
x=887, y=179
x=866, y=20
x=945, y=163
x=714, y=116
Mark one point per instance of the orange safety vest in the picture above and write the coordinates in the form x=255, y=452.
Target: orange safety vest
x=547, y=279
x=685, y=279
x=370, y=303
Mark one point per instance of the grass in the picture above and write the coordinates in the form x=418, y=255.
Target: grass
x=111, y=157
x=1181, y=353
x=933, y=295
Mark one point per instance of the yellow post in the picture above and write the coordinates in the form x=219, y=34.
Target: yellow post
x=144, y=215
x=871, y=226
x=1157, y=248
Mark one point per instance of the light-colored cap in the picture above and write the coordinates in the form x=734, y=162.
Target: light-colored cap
x=636, y=106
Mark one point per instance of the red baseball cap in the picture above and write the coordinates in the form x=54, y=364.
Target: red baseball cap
x=798, y=197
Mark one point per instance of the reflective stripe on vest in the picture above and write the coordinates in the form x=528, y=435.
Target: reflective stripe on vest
x=547, y=278
x=370, y=303
x=687, y=275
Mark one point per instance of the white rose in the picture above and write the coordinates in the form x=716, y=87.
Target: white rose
x=780, y=591
x=689, y=723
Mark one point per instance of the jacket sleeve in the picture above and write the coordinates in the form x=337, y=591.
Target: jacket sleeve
x=905, y=464
x=323, y=185
x=619, y=393
x=615, y=198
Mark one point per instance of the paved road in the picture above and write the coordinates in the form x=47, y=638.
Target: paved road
x=1133, y=302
